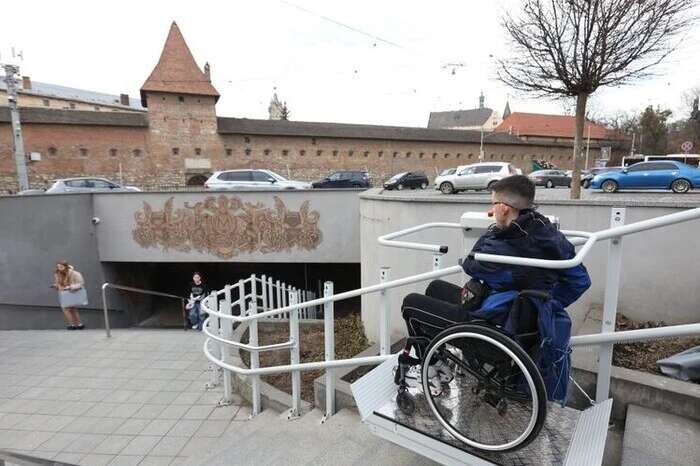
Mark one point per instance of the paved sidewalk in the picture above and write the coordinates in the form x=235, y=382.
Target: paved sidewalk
x=137, y=398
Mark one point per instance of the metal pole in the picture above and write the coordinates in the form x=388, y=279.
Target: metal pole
x=294, y=357
x=329, y=345
x=270, y=294
x=20, y=157
x=612, y=288
x=279, y=299
x=384, y=314
x=254, y=356
x=213, y=368
x=226, y=333
x=106, y=311
x=481, y=146
x=263, y=289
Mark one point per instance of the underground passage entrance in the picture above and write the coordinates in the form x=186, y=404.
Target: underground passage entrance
x=174, y=278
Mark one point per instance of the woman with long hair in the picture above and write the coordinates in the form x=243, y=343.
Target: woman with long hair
x=66, y=278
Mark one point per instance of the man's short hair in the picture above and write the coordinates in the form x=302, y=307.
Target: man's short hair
x=518, y=191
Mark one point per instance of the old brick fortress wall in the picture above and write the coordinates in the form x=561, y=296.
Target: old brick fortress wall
x=181, y=137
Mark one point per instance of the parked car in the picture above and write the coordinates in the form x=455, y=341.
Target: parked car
x=403, y=180
x=28, y=192
x=88, y=185
x=676, y=176
x=344, y=179
x=251, y=179
x=550, y=178
x=449, y=171
x=476, y=176
x=591, y=173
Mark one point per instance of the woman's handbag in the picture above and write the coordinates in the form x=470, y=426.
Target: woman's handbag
x=73, y=298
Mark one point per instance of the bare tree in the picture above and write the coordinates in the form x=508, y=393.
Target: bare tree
x=284, y=112
x=570, y=48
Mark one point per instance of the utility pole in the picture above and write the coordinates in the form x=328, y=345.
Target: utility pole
x=481, y=147
x=20, y=157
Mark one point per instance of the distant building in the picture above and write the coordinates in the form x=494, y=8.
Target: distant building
x=551, y=128
x=44, y=95
x=276, y=109
x=477, y=119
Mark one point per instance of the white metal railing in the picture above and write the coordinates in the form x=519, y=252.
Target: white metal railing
x=224, y=318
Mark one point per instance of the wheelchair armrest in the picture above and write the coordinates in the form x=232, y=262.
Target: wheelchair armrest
x=534, y=294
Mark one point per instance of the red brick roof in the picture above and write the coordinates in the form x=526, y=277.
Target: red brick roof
x=176, y=71
x=553, y=126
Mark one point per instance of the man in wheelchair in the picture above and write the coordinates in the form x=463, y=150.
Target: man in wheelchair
x=520, y=301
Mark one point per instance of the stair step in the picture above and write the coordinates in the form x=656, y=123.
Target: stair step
x=654, y=438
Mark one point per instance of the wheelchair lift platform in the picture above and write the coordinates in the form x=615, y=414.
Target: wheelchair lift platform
x=569, y=437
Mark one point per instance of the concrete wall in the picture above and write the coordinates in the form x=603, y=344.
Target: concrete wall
x=338, y=224
x=659, y=279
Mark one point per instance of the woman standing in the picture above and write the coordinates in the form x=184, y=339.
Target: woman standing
x=66, y=278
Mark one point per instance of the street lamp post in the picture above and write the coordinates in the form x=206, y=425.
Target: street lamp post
x=20, y=160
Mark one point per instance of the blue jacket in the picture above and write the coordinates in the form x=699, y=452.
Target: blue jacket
x=532, y=235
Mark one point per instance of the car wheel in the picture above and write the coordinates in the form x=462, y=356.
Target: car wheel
x=549, y=184
x=680, y=186
x=490, y=185
x=586, y=184
x=399, y=187
x=446, y=188
x=609, y=186
x=423, y=185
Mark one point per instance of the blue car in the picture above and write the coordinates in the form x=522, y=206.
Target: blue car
x=676, y=176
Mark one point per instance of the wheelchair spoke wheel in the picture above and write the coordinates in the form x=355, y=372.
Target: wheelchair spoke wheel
x=497, y=399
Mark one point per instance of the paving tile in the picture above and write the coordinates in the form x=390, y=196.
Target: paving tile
x=163, y=398
x=224, y=413
x=149, y=412
x=243, y=413
x=76, y=408
x=106, y=425
x=169, y=446
x=70, y=458
x=59, y=442
x=157, y=461
x=158, y=427
x=85, y=443
x=212, y=428
x=185, y=428
x=125, y=410
x=132, y=427
x=181, y=461
x=124, y=460
x=100, y=410
x=173, y=412
x=140, y=445
x=196, y=446
x=9, y=420
x=198, y=412
x=113, y=444
x=96, y=460
x=187, y=398
x=44, y=422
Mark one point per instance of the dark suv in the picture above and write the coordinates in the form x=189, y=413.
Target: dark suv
x=411, y=180
x=344, y=179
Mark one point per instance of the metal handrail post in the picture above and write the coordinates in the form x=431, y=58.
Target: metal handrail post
x=104, y=307
x=241, y=298
x=294, y=356
x=612, y=290
x=263, y=291
x=278, y=290
x=254, y=357
x=214, y=368
x=329, y=346
x=270, y=294
x=384, y=314
x=227, y=332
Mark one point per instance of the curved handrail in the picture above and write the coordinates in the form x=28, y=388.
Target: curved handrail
x=243, y=346
x=389, y=239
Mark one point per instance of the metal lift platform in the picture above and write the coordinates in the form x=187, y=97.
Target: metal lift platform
x=569, y=437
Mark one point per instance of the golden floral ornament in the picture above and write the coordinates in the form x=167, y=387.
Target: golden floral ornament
x=226, y=226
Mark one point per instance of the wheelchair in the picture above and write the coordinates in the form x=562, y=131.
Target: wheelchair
x=489, y=392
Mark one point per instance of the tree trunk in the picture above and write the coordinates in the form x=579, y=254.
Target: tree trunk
x=581, y=100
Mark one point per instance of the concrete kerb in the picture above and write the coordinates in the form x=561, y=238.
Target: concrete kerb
x=637, y=388
x=271, y=397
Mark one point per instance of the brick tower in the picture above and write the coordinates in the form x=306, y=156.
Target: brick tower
x=181, y=113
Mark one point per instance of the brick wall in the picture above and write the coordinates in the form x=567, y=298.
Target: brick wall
x=182, y=141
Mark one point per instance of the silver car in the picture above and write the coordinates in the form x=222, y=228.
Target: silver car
x=251, y=179
x=476, y=176
x=88, y=185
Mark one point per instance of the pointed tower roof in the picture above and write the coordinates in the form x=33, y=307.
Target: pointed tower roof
x=506, y=111
x=176, y=71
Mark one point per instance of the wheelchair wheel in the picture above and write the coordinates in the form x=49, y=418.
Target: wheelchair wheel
x=497, y=401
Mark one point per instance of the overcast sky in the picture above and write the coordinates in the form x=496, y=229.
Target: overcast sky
x=325, y=71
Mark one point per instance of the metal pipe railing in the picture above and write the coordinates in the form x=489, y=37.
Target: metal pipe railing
x=135, y=290
x=389, y=239
x=628, y=336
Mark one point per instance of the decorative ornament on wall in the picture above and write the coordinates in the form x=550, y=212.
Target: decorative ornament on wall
x=226, y=226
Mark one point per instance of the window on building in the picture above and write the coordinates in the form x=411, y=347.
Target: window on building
x=408, y=154
x=366, y=153
x=302, y=152
x=447, y=155
x=313, y=141
x=319, y=152
x=380, y=153
x=247, y=152
x=113, y=152
x=229, y=152
x=176, y=151
x=72, y=106
x=285, y=152
x=180, y=99
x=45, y=102
x=459, y=156
x=335, y=153
x=350, y=153
x=434, y=155
x=97, y=108
x=83, y=152
x=569, y=157
x=395, y=154
x=470, y=156
x=246, y=139
x=197, y=151
x=492, y=156
x=266, y=152
x=53, y=152
x=137, y=152
x=421, y=155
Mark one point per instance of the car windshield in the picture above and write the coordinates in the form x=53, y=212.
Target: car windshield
x=397, y=176
x=276, y=176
